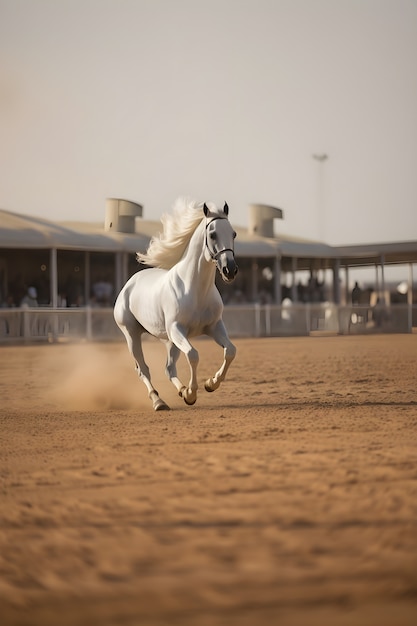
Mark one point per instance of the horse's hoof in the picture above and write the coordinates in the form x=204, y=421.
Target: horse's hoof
x=210, y=385
x=160, y=405
x=183, y=393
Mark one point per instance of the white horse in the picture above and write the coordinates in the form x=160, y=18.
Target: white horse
x=176, y=298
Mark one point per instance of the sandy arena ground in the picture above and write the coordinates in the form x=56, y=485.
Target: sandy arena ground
x=288, y=497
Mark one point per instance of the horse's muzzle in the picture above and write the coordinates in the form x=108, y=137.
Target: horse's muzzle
x=229, y=270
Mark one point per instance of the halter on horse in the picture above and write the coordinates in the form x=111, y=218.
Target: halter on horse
x=176, y=298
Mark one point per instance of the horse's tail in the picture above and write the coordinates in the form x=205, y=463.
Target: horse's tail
x=168, y=247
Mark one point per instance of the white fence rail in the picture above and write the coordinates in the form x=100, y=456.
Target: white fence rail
x=96, y=324
x=303, y=319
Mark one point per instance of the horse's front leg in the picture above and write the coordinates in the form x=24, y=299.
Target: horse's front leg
x=220, y=336
x=179, y=339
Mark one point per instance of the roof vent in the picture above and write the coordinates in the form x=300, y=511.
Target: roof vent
x=261, y=219
x=121, y=214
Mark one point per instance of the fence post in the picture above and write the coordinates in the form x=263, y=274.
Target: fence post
x=308, y=318
x=257, y=320
x=26, y=322
x=267, y=309
x=89, y=322
x=53, y=337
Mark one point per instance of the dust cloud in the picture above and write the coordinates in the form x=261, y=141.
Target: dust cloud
x=86, y=377
x=96, y=377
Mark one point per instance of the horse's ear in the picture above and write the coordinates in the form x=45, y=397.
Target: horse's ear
x=206, y=210
x=226, y=209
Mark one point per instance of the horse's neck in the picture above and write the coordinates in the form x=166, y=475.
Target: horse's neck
x=196, y=272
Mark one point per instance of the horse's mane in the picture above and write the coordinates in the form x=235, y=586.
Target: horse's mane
x=168, y=247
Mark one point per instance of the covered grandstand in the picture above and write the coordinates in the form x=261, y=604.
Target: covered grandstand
x=65, y=261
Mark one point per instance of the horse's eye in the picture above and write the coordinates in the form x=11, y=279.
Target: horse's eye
x=234, y=235
x=213, y=236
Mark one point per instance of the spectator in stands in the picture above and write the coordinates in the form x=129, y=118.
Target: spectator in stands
x=102, y=292
x=356, y=294
x=379, y=313
x=8, y=303
x=31, y=298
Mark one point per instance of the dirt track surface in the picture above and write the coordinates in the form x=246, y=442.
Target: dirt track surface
x=288, y=496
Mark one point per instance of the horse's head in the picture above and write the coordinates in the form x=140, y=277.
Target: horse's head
x=219, y=241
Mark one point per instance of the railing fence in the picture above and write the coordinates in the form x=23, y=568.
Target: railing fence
x=97, y=324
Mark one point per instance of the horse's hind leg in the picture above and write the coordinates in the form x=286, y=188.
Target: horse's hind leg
x=133, y=333
x=220, y=336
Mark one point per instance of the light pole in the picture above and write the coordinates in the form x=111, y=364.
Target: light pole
x=321, y=208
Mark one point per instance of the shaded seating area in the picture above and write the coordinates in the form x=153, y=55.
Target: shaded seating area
x=84, y=265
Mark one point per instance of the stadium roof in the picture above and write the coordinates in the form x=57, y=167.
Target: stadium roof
x=25, y=232
x=22, y=231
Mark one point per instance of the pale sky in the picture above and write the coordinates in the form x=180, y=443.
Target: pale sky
x=216, y=99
